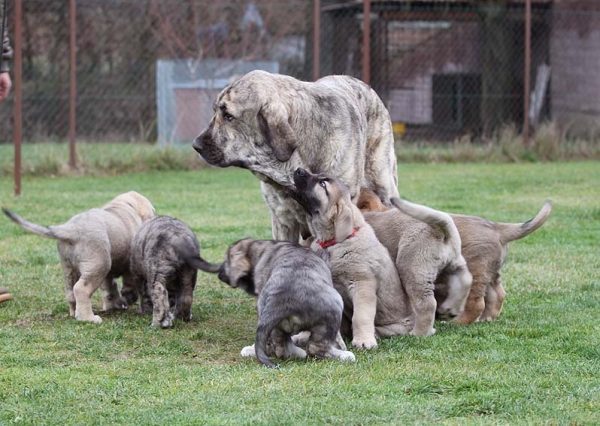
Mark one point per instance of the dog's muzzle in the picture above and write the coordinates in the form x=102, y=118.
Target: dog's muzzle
x=205, y=146
x=301, y=178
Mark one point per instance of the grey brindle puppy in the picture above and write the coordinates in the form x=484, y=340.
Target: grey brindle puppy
x=164, y=262
x=272, y=124
x=295, y=293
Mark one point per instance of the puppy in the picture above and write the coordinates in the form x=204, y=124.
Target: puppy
x=425, y=245
x=164, y=260
x=362, y=269
x=94, y=250
x=484, y=245
x=295, y=293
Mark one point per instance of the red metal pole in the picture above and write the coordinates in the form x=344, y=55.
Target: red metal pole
x=317, y=41
x=527, y=82
x=72, y=83
x=18, y=107
x=366, y=59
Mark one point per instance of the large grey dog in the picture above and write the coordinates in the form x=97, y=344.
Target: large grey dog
x=165, y=257
x=295, y=293
x=375, y=302
x=272, y=124
x=94, y=249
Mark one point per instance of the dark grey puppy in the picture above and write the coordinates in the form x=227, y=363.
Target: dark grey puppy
x=164, y=262
x=295, y=293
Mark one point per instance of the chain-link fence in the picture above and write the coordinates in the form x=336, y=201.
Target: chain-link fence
x=443, y=68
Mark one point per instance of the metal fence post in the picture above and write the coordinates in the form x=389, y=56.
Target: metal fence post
x=317, y=40
x=527, y=76
x=72, y=83
x=18, y=107
x=366, y=59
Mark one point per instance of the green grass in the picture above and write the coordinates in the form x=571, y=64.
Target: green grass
x=538, y=363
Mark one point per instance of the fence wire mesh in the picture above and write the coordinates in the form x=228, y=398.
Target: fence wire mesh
x=443, y=68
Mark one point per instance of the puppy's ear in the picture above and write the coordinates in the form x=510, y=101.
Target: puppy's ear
x=240, y=259
x=344, y=222
x=273, y=119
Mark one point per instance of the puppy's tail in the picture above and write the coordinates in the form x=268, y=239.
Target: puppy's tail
x=513, y=231
x=263, y=331
x=198, y=263
x=193, y=259
x=434, y=218
x=44, y=231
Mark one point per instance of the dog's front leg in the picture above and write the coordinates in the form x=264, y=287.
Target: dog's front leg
x=284, y=231
x=364, y=299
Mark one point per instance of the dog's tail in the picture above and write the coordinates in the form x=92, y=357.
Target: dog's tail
x=514, y=231
x=198, y=263
x=44, y=231
x=263, y=332
x=434, y=218
x=193, y=259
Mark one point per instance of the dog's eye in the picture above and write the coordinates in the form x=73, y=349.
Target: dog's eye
x=228, y=116
x=323, y=184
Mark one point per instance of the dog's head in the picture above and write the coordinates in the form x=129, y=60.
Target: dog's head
x=327, y=202
x=250, y=125
x=140, y=204
x=237, y=270
x=368, y=201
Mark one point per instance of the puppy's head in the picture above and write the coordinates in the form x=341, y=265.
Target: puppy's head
x=327, y=201
x=140, y=204
x=368, y=201
x=237, y=270
x=250, y=125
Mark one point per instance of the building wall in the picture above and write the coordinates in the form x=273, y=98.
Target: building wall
x=417, y=52
x=575, y=67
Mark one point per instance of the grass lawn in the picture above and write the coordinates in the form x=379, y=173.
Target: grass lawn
x=538, y=363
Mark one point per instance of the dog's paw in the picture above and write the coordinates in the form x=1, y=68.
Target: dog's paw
x=117, y=304
x=364, y=343
x=301, y=339
x=93, y=319
x=295, y=353
x=248, y=351
x=429, y=332
x=166, y=322
x=347, y=356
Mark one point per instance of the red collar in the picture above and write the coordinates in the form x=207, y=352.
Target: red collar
x=333, y=242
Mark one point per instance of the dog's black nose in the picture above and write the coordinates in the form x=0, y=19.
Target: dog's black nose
x=300, y=172
x=300, y=178
x=197, y=145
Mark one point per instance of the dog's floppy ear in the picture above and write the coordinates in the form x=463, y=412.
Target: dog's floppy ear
x=273, y=118
x=240, y=259
x=344, y=222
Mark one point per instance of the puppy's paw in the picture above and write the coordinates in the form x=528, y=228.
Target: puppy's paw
x=166, y=322
x=342, y=355
x=347, y=356
x=115, y=304
x=429, y=332
x=295, y=352
x=92, y=318
x=301, y=339
x=364, y=343
x=248, y=351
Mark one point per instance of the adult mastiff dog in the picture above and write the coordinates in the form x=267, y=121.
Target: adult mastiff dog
x=272, y=124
